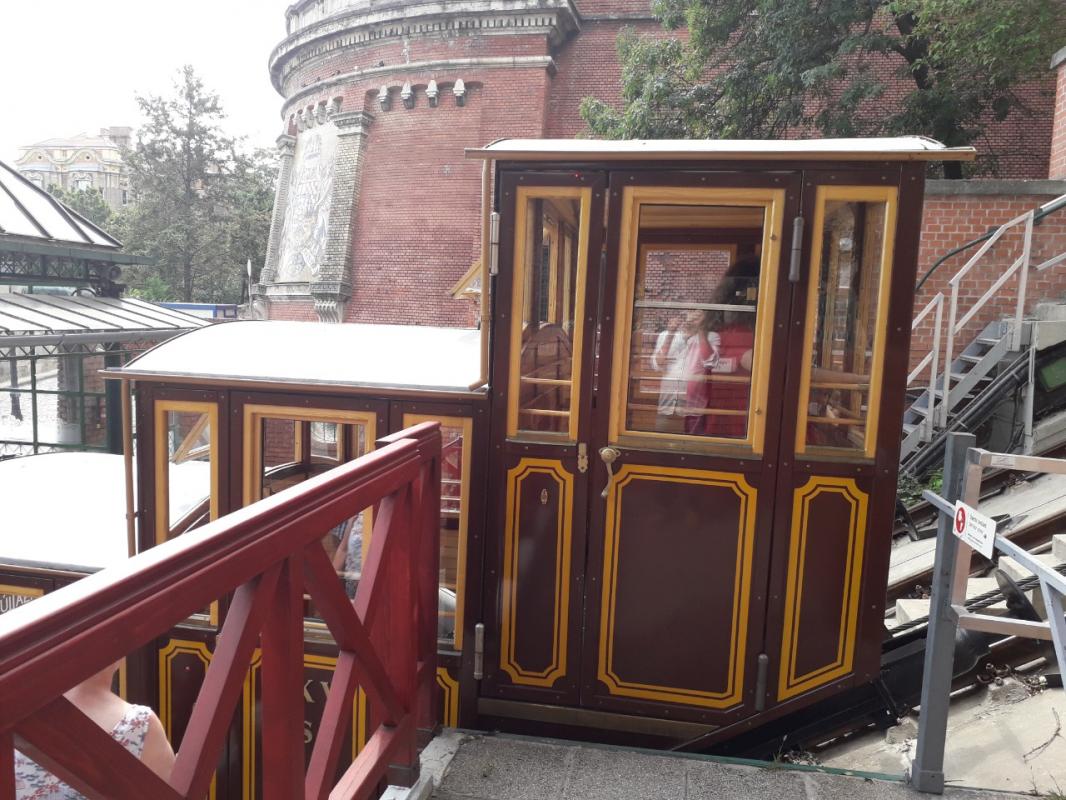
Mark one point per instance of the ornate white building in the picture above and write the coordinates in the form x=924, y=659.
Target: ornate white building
x=80, y=162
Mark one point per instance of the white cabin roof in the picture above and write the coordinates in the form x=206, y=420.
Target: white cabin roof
x=277, y=352
x=896, y=148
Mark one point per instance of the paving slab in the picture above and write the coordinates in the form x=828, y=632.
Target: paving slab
x=498, y=767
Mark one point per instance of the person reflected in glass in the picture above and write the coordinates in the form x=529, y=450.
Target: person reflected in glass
x=679, y=356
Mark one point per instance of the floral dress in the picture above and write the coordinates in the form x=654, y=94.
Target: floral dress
x=34, y=782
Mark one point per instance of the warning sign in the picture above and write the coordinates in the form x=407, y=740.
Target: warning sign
x=975, y=529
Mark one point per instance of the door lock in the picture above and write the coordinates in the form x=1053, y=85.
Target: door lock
x=582, y=457
x=609, y=455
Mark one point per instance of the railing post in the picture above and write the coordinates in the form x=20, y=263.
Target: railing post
x=938, y=331
x=397, y=633
x=927, y=770
x=429, y=597
x=1023, y=283
x=282, y=694
x=949, y=353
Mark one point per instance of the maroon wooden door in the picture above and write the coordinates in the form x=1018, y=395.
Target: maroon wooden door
x=544, y=347
x=690, y=396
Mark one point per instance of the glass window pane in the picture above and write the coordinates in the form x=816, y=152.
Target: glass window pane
x=694, y=319
x=842, y=343
x=549, y=275
x=451, y=521
x=188, y=442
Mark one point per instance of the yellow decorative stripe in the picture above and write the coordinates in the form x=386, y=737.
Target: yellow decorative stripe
x=449, y=687
x=733, y=692
x=359, y=712
x=166, y=655
x=508, y=635
x=789, y=683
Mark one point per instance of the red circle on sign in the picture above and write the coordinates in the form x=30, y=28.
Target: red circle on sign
x=960, y=520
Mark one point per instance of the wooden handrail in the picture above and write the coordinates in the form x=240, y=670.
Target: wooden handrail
x=268, y=554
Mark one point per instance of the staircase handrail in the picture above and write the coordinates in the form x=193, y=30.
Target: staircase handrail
x=268, y=554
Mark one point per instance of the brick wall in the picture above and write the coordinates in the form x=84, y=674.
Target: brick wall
x=1057, y=161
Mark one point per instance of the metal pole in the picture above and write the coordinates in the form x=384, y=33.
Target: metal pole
x=927, y=771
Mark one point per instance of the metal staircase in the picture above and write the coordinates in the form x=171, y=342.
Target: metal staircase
x=965, y=378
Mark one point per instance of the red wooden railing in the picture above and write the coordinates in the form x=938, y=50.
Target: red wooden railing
x=268, y=555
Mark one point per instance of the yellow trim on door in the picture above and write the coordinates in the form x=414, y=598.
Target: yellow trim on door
x=789, y=683
x=166, y=655
x=449, y=688
x=870, y=194
x=633, y=197
x=518, y=282
x=467, y=426
x=162, y=459
x=734, y=691
x=509, y=585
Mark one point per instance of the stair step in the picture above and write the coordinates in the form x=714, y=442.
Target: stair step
x=972, y=359
x=908, y=427
x=985, y=340
x=1058, y=546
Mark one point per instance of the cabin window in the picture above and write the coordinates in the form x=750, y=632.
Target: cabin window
x=693, y=306
x=454, y=515
x=551, y=241
x=186, y=441
x=847, y=307
x=285, y=446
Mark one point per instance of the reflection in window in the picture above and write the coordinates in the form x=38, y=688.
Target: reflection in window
x=694, y=319
x=842, y=346
x=550, y=271
x=455, y=469
x=188, y=484
x=293, y=446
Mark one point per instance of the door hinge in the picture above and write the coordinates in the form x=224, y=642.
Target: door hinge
x=582, y=457
x=760, y=682
x=797, y=248
x=494, y=244
x=479, y=651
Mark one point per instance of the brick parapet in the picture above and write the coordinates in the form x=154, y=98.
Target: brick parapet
x=1057, y=160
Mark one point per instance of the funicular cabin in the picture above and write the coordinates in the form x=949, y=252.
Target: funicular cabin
x=669, y=458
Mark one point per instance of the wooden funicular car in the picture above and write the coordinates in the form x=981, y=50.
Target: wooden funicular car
x=670, y=456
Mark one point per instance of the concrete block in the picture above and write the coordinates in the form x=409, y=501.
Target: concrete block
x=491, y=767
x=610, y=774
x=908, y=610
x=1058, y=547
x=1016, y=571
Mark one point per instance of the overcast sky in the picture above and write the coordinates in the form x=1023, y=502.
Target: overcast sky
x=71, y=66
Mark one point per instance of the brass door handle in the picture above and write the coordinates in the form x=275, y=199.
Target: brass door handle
x=609, y=455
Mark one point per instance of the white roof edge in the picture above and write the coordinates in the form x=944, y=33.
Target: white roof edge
x=896, y=148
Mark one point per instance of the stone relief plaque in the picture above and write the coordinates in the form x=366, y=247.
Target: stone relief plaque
x=306, y=226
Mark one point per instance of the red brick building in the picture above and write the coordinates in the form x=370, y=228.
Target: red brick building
x=377, y=213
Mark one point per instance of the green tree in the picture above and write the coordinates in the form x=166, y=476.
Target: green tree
x=90, y=203
x=772, y=68
x=200, y=203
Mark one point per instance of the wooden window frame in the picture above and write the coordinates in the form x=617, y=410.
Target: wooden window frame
x=889, y=195
x=630, y=251
x=162, y=458
x=466, y=425
x=521, y=295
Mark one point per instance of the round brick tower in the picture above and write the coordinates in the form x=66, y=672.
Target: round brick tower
x=377, y=212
